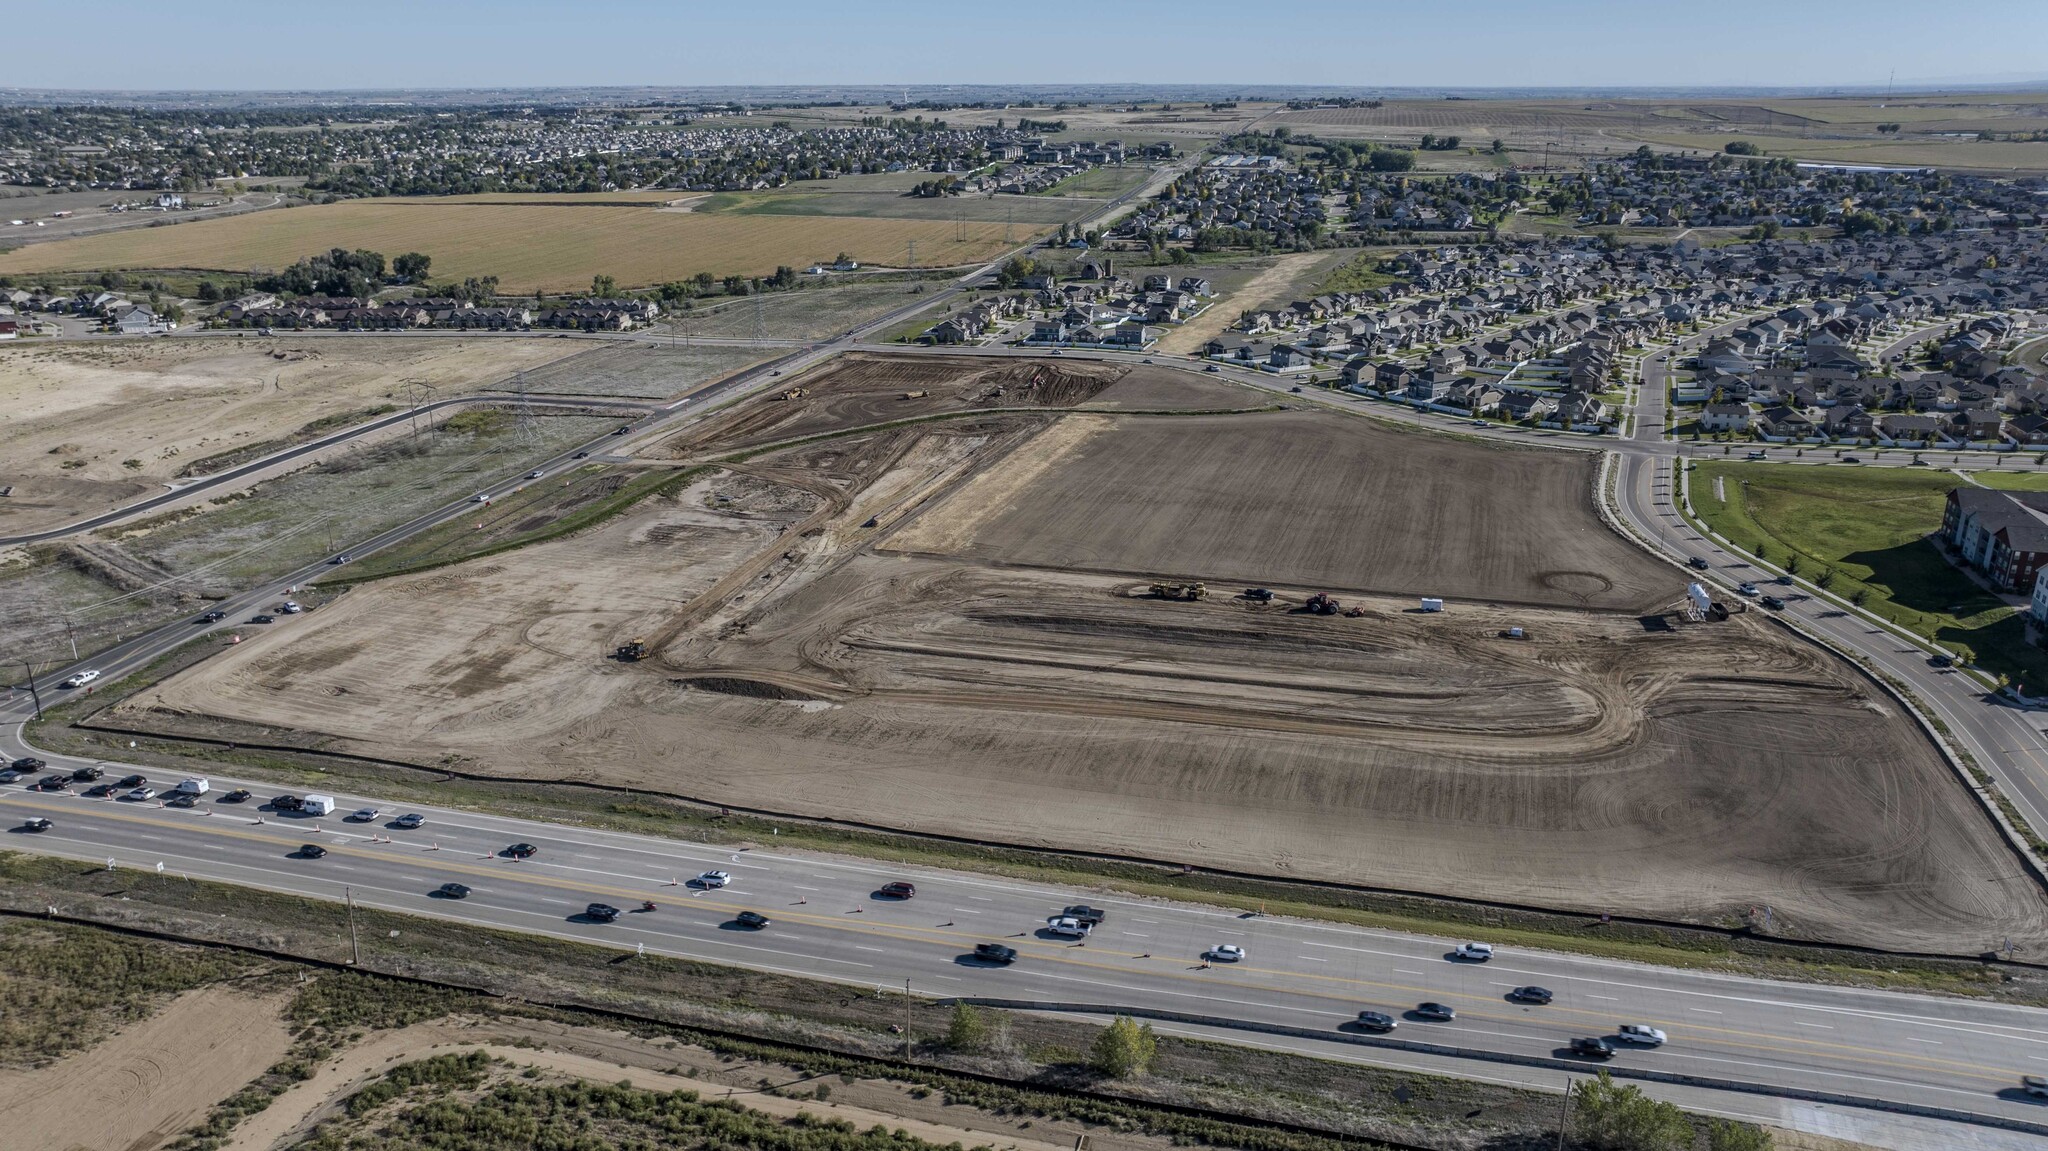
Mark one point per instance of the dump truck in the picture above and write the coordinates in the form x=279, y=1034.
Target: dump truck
x=1183, y=591
x=1321, y=604
x=917, y=395
x=632, y=651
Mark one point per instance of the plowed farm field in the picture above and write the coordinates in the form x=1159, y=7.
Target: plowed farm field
x=940, y=626
x=552, y=247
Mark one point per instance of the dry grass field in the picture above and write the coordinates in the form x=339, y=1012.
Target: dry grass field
x=553, y=247
x=886, y=626
x=72, y=415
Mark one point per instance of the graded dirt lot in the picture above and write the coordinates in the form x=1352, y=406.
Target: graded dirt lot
x=73, y=414
x=140, y=1088
x=862, y=389
x=891, y=627
x=1333, y=503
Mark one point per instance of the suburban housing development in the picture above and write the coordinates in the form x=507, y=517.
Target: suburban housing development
x=776, y=611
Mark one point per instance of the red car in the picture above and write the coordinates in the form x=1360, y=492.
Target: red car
x=898, y=889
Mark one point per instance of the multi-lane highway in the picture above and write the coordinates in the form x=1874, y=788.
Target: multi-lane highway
x=828, y=921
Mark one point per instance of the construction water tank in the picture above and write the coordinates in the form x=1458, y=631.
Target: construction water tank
x=1431, y=604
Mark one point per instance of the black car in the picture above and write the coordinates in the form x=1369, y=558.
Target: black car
x=453, y=891
x=288, y=803
x=36, y=823
x=752, y=920
x=521, y=850
x=1438, y=1012
x=88, y=774
x=238, y=795
x=1592, y=1049
x=181, y=799
x=1536, y=995
x=1698, y=563
x=28, y=763
x=602, y=912
x=1376, y=1021
x=897, y=889
x=133, y=781
x=1092, y=916
x=1773, y=602
x=995, y=953
x=212, y=617
x=262, y=619
x=311, y=850
x=55, y=782
x=99, y=790
x=1941, y=661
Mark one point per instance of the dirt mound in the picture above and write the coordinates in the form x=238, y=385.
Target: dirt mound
x=749, y=688
x=863, y=389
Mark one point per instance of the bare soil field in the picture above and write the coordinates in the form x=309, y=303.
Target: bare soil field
x=1338, y=503
x=73, y=415
x=861, y=389
x=1615, y=760
x=140, y=1088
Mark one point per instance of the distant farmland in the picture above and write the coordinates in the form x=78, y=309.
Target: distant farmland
x=529, y=246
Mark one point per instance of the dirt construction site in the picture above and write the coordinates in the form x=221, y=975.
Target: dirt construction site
x=1025, y=618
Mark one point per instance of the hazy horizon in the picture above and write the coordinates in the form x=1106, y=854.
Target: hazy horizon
x=1459, y=45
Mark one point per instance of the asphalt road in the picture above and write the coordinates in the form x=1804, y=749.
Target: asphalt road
x=828, y=922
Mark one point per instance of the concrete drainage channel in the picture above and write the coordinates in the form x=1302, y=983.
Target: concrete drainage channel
x=1619, y=1072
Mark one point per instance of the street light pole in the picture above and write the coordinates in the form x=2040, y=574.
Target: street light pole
x=906, y=1019
x=355, y=953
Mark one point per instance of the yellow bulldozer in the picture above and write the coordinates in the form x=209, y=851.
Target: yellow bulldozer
x=632, y=652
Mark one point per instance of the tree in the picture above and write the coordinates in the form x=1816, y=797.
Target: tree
x=1792, y=564
x=1613, y=1118
x=1758, y=550
x=1124, y=1049
x=968, y=1031
x=412, y=267
x=1741, y=148
x=1858, y=598
x=604, y=287
x=209, y=291
x=1825, y=578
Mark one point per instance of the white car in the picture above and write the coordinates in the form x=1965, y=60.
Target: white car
x=142, y=793
x=81, y=679
x=1224, y=953
x=1067, y=926
x=535, y=474
x=365, y=815
x=291, y=607
x=1638, y=1033
x=1473, y=952
x=714, y=879
x=479, y=498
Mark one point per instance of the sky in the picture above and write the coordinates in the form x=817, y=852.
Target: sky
x=119, y=44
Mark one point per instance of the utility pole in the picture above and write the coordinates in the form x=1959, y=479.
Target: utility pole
x=32, y=692
x=906, y=1019
x=355, y=952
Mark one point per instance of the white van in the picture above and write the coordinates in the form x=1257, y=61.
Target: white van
x=194, y=786
x=319, y=805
